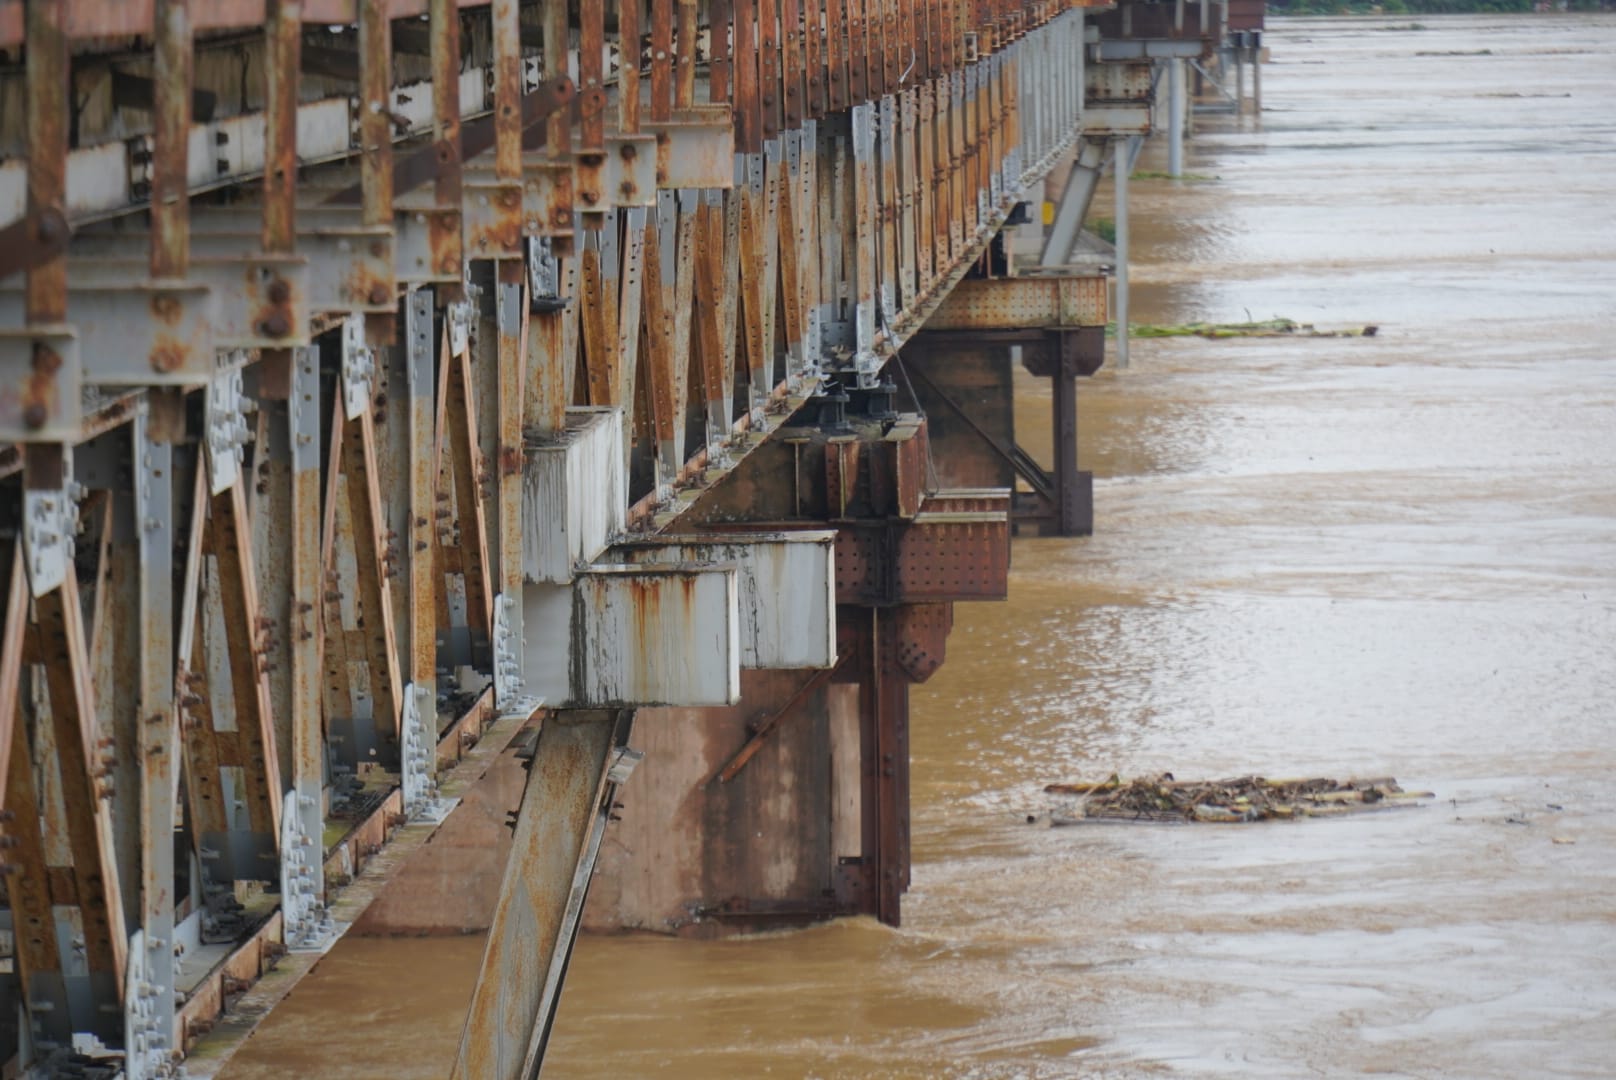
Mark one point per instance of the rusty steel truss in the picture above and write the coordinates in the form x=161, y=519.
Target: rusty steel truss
x=344, y=346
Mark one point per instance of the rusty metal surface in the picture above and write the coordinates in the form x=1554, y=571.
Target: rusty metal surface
x=41, y=380
x=763, y=235
x=1023, y=302
x=47, y=89
x=787, y=601
x=657, y=635
x=572, y=495
x=541, y=898
x=33, y=241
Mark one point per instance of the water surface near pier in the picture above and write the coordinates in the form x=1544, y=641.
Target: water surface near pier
x=1384, y=556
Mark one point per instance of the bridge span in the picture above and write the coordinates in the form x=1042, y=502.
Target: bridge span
x=418, y=414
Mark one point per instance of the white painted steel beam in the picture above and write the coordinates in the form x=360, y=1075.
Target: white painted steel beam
x=787, y=599
x=1149, y=49
x=634, y=635
x=574, y=495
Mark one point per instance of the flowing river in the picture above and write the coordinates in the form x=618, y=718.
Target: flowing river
x=1380, y=556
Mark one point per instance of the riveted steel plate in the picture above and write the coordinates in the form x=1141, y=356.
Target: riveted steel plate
x=1118, y=83
x=1022, y=303
x=350, y=268
x=494, y=218
x=262, y=299
x=630, y=170
x=137, y=334
x=411, y=230
x=696, y=149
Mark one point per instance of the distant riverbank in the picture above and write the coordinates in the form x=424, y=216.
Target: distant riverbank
x=1434, y=7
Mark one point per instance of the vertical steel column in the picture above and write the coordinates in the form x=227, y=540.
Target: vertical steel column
x=148, y=1014
x=283, y=48
x=1175, y=118
x=628, y=69
x=47, y=85
x=1123, y=153
x=1068, y=494
x=1256, y=71
x=662, y=58
x=171, y=139
x=375, y=119
x=1238, y=50
x=308, y=742
x=684, y=87
x=591, y=161
x=865, y=241
x=507, y=34
x=892, y=768
x=447, y=252
x=510, y=313
x=420, y=374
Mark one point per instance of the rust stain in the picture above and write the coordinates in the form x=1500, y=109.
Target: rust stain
x=510, y=460
x=364, y=286
x=169, y=354
x=167, y=308
x=39, y=399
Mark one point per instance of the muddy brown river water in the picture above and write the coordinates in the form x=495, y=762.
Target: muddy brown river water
x=1379, y=556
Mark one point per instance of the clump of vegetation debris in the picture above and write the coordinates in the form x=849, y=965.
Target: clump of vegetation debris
x=1236, y=801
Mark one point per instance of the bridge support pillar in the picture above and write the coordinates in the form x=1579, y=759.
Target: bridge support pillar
x=792, y=805
x=1175, y=117
x=962, y=368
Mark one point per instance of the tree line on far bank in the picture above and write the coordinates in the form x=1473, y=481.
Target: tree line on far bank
x=1430, y=7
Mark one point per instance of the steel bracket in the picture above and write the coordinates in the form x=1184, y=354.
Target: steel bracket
x=50, y=518
x=496, y=219
x=358, y=367
x=458, y=315
x=307, y=926
x=304, y=409
x=419, y=759
x=510, y=691
x=630, y=174
x=228, y=431
x=415, y=254
x=695, y=149
x=147, y=1032
x=547, y=190
x=544, y=275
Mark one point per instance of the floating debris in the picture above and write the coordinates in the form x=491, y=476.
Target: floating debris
x=1238, y=801
x=1264, y=328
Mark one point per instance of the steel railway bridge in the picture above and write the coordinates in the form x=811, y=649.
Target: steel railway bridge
x=410, y=407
